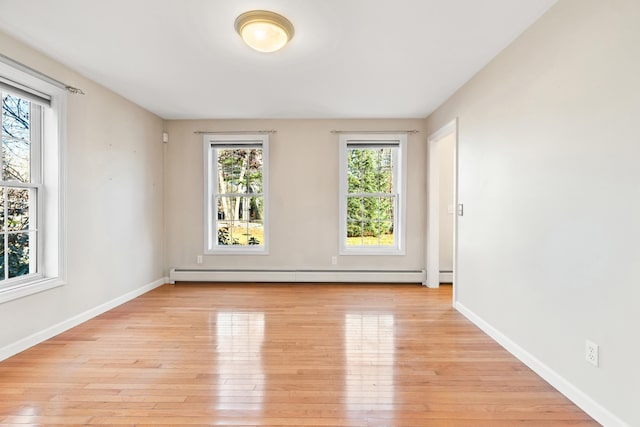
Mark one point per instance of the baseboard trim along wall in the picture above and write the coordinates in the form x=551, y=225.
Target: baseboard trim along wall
x=582, y=400
x=446, y=277
x=38, y=337
x=300, y=276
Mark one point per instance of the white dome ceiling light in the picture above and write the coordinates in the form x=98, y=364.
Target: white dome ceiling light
x=264, y=31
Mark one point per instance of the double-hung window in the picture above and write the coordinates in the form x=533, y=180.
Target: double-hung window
x=372, y=194
x=236, y=173
x=19, y=187
x=30, y=184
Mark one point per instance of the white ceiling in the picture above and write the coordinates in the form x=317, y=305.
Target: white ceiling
x=348, y=59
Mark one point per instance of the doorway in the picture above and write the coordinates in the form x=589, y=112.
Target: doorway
x=443, y=205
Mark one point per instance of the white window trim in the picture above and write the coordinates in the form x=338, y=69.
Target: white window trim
x=401, y=183
x=51, y=247
x=210, y=189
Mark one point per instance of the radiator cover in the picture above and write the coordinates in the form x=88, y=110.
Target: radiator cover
x=301, y=276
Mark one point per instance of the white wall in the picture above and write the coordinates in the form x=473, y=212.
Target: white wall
x=303, y=195
x=445, y=151
x=549, y=142
x=114, y=204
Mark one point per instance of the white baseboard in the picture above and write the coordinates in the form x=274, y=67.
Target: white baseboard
x=65, y=325
x=446, y=277
x=443, y=277
x=581, y=399
x=300, y=276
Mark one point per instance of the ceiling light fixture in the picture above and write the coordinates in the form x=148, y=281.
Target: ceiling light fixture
x=264, y=31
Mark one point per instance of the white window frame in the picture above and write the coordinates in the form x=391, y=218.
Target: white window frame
x=400, y=183
x=211, y=141
x=50, y=224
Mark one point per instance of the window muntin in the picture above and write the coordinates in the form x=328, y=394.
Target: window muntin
x=371, y=199
x=236, y=193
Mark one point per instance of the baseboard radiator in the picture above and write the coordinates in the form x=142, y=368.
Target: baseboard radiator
x=446, y=276
x=299, y=276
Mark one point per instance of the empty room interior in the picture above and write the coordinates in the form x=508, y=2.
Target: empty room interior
x=320, y=213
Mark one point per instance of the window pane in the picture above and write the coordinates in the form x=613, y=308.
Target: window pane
x=387, y=237
x=371, y=241
x=244, y=210
x=3, y=192
x=18, y=209
x=256, y=233
x=353, y=171
x=385, y=208
x=240, y=220
x=256, y=208
x=18, y=253
x=370, y=207
x=225, y=171
x=228, y=171
x=370, y=221
x=228, y=208
x=353, y=182
x=355, y=214
x=384, y=174
x=354, y=241
x=228, y=213
x=354, y=209
x=224, y=234
x=2, y=257
x=370, y=170
x=16, y=146
x=239, y=170
x=15, y=117
x=254, y=171
x=354, y=220
x=371, y=216
x=16, y=158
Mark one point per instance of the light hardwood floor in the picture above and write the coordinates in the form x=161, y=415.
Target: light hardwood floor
x=279, y=355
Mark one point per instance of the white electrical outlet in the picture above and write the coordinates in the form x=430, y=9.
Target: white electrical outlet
x=591, y=352
x=334, y=260
x=199, y=259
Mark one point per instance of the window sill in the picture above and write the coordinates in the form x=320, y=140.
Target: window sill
x=237, y=251
x=29, y=288
x=371, y=251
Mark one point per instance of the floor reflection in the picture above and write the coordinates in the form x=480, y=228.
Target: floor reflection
x=369, y=350
x=239, y=346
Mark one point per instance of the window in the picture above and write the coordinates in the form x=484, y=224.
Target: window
x=30, y=184
x=19, y=187
x=236, y=193
x=372, y=191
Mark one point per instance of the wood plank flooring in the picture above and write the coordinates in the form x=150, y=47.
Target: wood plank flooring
x=279, y=355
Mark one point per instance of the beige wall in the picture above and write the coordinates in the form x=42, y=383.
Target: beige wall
x=548, y=250
x=114, y=204
x=303, y=195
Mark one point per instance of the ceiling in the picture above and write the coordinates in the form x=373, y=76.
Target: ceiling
x=182, y=59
